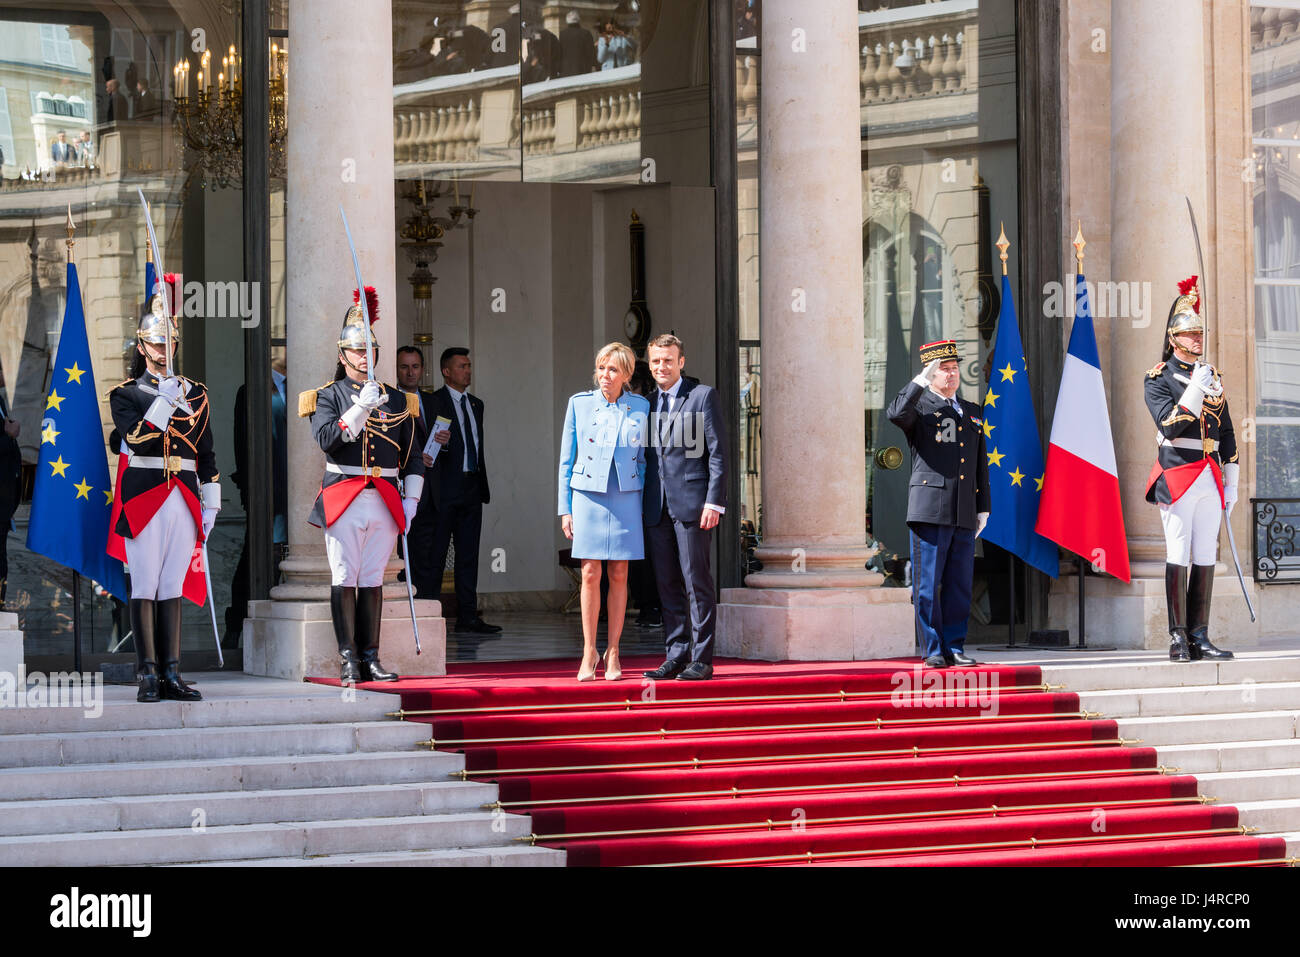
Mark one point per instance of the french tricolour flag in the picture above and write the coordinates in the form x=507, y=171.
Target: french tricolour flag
x=1079, y=508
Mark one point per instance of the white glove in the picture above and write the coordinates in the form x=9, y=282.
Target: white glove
x=159, y=413
x=981, y=519
x=1231, y=473
x=409, y=505
x=171, y=389
x=354, y=422
x=372, y=397
x=1203, y=379
x=926, y=374
x=209, y=519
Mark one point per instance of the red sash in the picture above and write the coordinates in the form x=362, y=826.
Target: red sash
x=1180, y=478
x=138, y=513
x=337, y=497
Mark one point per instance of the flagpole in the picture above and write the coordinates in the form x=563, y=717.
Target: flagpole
x=1079, y=243
x=1003, y=245
x=76, y=576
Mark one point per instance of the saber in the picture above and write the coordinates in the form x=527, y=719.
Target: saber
x=160, y=287
x=1205, y=309
x=361, y=298
x=212, y=608
x=410, y=594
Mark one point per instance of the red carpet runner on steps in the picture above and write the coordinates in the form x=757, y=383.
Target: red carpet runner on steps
x=866, y=763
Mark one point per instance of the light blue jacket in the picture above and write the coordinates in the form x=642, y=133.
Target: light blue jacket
x=600, y=436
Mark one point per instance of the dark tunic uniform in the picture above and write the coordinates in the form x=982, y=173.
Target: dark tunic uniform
x=1187, y=444
x=376, y=459
x=948, y=489
x=180, y=456
x=950, y=471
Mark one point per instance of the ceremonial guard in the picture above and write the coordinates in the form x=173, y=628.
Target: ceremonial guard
x=372, y=484
x=1194, y=480
x=169, y=496
x=947, y=500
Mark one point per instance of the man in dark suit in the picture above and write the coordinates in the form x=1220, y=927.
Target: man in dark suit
x=947, y=501
x=11, y=466
x=577, y=47
x=685, y=495
x=61, y=151
x=426, y=580
x=458, y=486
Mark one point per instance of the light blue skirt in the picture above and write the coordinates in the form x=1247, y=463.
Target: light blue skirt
x=608, y=525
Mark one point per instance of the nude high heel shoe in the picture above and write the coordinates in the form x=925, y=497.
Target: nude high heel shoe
x=611, y=675
x=588, y=675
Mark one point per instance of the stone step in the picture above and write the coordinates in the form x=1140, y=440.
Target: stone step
x=1211, y=728
x=514, y=855
x=1196, y=699
x=188, y=744
x=1171, y=674
x=119, y=711
x=1292, y=839
x=251, y=841
x=229, y=808
x=1266, y=784
x=229, y=774
x=1271, y=817
x=1232, y=755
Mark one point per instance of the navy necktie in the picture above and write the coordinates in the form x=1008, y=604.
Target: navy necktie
x=471, y=450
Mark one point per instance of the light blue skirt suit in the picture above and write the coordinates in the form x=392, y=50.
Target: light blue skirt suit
x=602, y=472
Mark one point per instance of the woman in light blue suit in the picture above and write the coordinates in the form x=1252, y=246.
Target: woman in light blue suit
x=602, y=472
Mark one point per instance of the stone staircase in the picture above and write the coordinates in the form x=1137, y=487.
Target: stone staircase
x=262, y=773
x=1234, y=724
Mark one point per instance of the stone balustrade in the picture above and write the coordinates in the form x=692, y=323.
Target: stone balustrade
x=1270, y=26
x=583, y=113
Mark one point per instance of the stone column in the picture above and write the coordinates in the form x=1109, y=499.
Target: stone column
x=814, y=598
x=1159, y=154
x=340, y=152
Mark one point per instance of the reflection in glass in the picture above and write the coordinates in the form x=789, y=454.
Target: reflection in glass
x=1275, y=56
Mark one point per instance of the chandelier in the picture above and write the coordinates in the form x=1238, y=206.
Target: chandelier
x=210, y=124
x=422, y=233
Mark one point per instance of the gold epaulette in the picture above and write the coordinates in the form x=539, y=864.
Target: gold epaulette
x=413, y=403
x=307, y=400
x=1155, y=370
x=118, y=386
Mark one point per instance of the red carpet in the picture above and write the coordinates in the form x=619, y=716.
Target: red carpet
x=870, y=763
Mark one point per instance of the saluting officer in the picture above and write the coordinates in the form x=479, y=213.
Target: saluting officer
x=372, y=484
x=169, y=493
x=1194, y=480
x=947, y=500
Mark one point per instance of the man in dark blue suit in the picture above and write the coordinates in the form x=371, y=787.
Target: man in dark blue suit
x=11, y=466
x=685, y=495
x=947, y=500
x=458, y=485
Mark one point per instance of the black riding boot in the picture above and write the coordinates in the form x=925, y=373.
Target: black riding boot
x=343, y=611
x=1200, y=585
x=146, y=657
x=370, y=610
x=1176, y=599
x=171, y=685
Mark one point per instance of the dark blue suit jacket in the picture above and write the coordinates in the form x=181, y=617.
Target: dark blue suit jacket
x=689, y=469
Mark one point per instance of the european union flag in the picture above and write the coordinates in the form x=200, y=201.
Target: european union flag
x=72, y=496
x=1015, y=455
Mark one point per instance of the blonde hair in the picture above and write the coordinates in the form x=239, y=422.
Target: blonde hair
x=620, y=356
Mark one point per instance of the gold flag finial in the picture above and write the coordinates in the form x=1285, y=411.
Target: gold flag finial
x=1003, y=244
x=71, y=230
x=148, y=249
x=1079, y=243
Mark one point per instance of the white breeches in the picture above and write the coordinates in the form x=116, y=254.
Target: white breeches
x=360, y=543
x=1192, y=523
x=159, y=556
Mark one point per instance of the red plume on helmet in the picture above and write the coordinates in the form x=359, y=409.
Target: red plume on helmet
x=1186, y=287
x=372, y=302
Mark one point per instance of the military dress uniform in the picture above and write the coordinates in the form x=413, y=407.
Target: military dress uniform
x=947, y=505
x=374, y=474
x=168, y=491
x=1193, y=479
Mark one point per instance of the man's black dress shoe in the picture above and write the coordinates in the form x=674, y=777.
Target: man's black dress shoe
x=669, y=669
x=964, y=660
x=696, y=671
x=478, y=626
x=937, y=661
